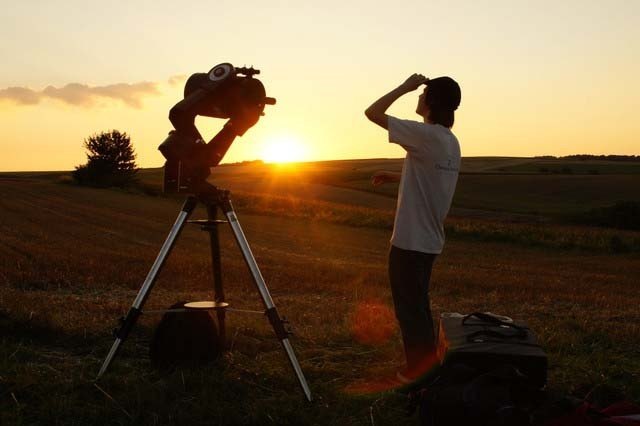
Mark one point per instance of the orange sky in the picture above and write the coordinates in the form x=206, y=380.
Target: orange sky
x=543, y=78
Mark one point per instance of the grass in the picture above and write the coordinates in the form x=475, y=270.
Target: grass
x=535, y=234
x=584, y=167
x=481, y=186
x=72, y=260
x=544, y=195
x=553, y=207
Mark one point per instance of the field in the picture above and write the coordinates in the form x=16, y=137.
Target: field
x=72, y=260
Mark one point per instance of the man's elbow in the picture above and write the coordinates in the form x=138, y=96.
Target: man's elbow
x=368, y=114
x=374, y=116
x=377, y=118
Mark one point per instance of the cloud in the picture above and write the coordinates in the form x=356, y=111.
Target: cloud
x=175, y=80
x=81, y=94
x=20, y=95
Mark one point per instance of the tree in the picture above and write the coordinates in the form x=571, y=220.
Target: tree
x=110, y=161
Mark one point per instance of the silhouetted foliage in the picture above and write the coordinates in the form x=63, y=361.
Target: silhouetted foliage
x=110, y=161
x=622, y=215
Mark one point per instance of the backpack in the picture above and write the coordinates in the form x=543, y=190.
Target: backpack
x=189, y=337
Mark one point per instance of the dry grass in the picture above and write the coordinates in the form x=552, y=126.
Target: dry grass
x=483, y=227
x=72, y=259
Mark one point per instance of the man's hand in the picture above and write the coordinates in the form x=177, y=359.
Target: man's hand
x=413, y=82
x=381, y=177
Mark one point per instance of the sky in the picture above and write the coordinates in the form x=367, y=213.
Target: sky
x=537, y=78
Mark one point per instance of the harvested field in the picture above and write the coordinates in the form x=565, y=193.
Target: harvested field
x=72, y=260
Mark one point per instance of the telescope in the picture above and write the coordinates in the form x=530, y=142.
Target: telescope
x=225, y=92
x=229, y=93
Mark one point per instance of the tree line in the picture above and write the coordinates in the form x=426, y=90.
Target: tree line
x=584, y=157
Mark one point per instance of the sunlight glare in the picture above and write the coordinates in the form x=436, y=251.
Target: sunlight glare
x=283, y=149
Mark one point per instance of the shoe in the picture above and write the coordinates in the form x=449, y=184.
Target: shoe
x=428, y=368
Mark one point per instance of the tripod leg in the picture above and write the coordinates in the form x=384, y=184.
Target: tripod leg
x=212, y=212
x=136, y=309
x=271, y=311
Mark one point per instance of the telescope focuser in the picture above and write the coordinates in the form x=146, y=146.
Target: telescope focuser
x=249, y=72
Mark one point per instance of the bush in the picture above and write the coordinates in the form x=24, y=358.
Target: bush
x=110, y=161
x=622, y=215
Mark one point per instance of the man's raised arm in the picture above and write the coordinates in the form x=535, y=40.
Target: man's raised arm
x=377, y=111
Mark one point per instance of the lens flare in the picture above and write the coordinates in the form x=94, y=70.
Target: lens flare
x=372, y=323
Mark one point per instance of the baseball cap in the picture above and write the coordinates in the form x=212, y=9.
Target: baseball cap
x=444, y=92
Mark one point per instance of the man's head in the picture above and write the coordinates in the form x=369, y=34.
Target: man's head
x=439, y=100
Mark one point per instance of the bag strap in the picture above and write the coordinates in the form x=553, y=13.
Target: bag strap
x=494, y=321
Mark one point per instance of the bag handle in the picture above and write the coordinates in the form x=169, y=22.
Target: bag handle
x=484, y=317
x=496, y=321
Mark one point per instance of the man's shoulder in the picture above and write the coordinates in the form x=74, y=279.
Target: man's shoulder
x=429, y=128
x=405, y=122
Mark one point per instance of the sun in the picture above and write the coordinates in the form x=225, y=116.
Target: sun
x=283, y=149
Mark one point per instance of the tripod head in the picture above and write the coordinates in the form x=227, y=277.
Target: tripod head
x=225, y=92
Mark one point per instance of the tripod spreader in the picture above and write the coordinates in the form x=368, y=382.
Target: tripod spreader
x=278, y=323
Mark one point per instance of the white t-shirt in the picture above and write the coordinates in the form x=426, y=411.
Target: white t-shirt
x=429, y=177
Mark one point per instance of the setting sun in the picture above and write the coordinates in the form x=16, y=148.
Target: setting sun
x=283, y=149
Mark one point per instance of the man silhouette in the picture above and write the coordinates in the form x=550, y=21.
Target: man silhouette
x=427, y=183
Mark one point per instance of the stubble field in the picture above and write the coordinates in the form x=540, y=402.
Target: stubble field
x=72, y=260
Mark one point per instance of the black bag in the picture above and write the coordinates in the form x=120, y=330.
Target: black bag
x=189, y=337
x=485, y=342
x=461, y=396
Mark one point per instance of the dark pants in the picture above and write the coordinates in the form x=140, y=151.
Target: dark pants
x=409, y=274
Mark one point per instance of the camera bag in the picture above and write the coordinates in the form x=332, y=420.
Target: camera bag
x=485, y=341
x=184, y=337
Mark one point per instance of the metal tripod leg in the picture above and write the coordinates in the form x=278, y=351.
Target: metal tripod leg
x=271, y=311
x=216, y=264
x=136, y=309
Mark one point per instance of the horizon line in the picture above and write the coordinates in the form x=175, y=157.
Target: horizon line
x=539, y=157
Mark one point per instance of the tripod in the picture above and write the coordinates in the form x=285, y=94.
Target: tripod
x=213, y=199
